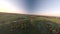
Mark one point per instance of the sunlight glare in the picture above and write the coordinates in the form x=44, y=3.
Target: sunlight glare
x=8, y=7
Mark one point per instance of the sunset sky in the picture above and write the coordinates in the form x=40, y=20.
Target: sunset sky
x=8, y=6
x=39, y=7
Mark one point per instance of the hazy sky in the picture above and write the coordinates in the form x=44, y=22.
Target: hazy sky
x=11, y=6
x=49, y=7
x=40, y=7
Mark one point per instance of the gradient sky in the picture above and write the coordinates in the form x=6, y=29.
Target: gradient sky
x=40, y=7
x=49, y=7
x=11, y=6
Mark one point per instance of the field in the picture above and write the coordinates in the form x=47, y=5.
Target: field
x=28, y=24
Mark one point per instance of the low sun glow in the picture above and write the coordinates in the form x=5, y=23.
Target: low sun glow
x=5, y=7
x=8, y=7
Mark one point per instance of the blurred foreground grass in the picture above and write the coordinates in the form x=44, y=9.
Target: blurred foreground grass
x=28, y=24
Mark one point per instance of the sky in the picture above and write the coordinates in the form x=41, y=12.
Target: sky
x=36, y=7
x=10, y=6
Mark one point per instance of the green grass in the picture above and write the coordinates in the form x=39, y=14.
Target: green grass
x=25, y=24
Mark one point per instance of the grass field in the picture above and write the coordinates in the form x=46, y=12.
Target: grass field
x=28, y=24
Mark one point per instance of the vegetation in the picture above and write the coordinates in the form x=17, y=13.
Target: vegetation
x=27, y=24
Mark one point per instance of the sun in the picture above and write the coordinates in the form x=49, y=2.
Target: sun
x=5, y=6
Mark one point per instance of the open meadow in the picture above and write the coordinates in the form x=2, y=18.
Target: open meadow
x=28, y=24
